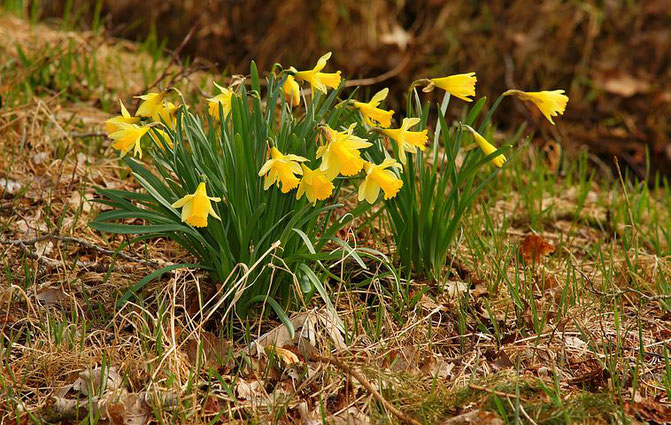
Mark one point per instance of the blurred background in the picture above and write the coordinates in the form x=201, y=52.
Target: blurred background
x=611, y=56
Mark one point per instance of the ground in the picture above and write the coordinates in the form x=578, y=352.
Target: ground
x=556, y=307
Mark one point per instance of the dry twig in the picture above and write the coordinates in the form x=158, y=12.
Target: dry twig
x=84, y=243
x=367, y=385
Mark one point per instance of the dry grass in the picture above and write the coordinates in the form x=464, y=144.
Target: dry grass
x=581, y=334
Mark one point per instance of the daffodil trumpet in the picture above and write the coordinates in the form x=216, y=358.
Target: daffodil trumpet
x=282, y=170
x=487, y=148
x=342, y=152
x=152, y=103
x=378, y=177
x=113, y=124
x=550, y=103
x=197, y=207
x=372, y=114
x=319, y=81
x=128, y=136
x=461, y=86
x=407, y=141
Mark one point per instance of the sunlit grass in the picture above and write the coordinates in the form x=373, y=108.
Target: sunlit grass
x=581, y=326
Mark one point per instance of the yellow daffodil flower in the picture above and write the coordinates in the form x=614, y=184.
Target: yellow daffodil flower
x=314, y=185
x=407, y=141
x=151, y=103
x=486, y=147
x=373, y=115
x=282, y=168
x=167, y=114
x=225, y=98
x=128, y=137
x=341, y=154
x=378, y=177
x=551, y=103
x=160, y=137
x=317, y=79
x=292, y=92
x=459, y=85
x=196, y=207
x=112, y=124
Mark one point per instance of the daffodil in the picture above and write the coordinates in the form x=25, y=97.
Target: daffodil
x=378, y=177
x=551, y=103
x=372, y=114
x=112, y=124
x=151, y=103
x=161, y=137
x=341, y=155
x=292, y=92
x=407, y=141
x=128, y=137
x=314, y=185
x=196, y=207
x=317, y=79
x=166, y=113
x=224, y=98
x=459, y=85
x=486, y=147
x=282, y=169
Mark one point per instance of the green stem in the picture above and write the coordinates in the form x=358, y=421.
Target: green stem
x=490, y=113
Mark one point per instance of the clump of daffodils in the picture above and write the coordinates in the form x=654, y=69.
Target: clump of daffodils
x=340, y=153
x=257, y=168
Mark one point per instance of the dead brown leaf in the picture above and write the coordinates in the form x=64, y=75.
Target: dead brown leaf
x=649, y=410
x=622, y=84
x=474, y=417
x=211, y=406
x=533, y=247
x=51, y=296
x=214, y=349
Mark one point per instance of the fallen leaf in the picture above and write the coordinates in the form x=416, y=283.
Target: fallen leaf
x=649, y=411
x=40, y=158
x=76, y=200
x=622, y=84
x=455, y=288
x=398, y=36
x=474, y=417
x=553, y=154
x=287, y=357
x=502, y=361
x=44, y=248
x=130, y=409
x=211, y=405
x=307, y=418
x=248, y=390
x=9, y=187
x=405, y=359
x=533, y=247
x=307, y=325
x=116, y=413
x=438, y=368
x=575, y=343
x=215, y=350
x=430, y=305
x=351, y=416
x=479, y=290
x=97, y=381
x=51, y=296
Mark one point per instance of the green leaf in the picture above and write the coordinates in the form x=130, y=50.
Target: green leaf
x=281, y=314
x=312, y=277
x=131, y=229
